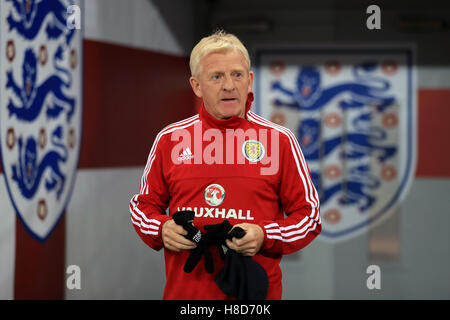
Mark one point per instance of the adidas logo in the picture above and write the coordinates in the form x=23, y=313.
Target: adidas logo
x=185, y=155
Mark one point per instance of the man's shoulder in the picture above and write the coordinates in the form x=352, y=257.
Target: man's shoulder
x=284, y=133
x=165, y=133
x=178, y=125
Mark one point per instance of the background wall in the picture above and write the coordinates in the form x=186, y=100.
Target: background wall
x=136, y=82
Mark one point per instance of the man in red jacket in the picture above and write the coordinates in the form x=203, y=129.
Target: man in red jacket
x=225, y=163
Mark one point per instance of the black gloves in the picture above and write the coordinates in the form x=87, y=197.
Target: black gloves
x=219, y=232
x=215, y=233
x=185, y=219
x=241, y=276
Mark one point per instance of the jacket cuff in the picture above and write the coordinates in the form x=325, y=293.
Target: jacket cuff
x=162, y=219
x=267, y=243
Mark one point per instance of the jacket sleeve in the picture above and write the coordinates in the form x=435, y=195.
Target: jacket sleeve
x=148, y=207
x=299, y=200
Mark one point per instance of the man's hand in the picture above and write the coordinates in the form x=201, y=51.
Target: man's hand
x=250, y=244
x=173, y=237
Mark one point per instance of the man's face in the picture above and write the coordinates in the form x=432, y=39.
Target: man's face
x=223, y=83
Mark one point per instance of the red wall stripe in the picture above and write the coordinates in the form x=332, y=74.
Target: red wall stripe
x=40, y=267
x=129, y=96
x=434, y=133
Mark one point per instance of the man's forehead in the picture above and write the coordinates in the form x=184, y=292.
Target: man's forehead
x=222, y=61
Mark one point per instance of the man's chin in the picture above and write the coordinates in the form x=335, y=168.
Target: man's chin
x=226, y=116
x=229, y=111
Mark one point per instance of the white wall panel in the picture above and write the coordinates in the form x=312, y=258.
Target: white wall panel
x=115, y=263
x=7, y=243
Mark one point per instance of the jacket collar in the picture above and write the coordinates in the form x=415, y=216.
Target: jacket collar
x=231, y=123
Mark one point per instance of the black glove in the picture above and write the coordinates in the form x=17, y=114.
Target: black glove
x=237, y=232
x=218, y=233
x=185, y=219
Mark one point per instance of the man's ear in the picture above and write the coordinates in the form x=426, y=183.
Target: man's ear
x=251, y=77
x=195, y=86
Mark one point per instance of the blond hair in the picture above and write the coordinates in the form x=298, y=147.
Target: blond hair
x=219, y=41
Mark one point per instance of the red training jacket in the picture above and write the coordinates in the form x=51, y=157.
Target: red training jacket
x=244, y=170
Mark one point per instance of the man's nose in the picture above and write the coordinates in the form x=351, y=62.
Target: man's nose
x=228, y=84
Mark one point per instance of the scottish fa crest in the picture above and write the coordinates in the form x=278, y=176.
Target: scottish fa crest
x=353, y=112
x=40, y=109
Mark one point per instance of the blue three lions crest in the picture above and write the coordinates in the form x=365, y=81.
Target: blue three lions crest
x=355, y=123
x=40, y=115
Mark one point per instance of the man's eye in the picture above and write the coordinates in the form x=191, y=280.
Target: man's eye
x=216, y=77
x=238, y=74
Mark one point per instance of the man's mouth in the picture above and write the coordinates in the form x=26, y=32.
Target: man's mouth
x=229, y=99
